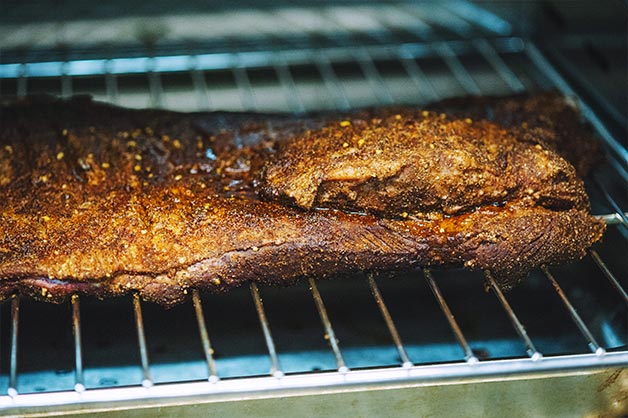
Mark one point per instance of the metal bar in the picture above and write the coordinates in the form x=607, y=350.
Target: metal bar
x=164, y=397
x=202, y=328
x=418, y=76
x=66, y=82
x=591, y=342
x=269, y=37
x=492, y=56
x=531, y=349
x=409, y=65
x=613, y=218
x=592, y=90
x=156, y=89
x=349, y=31
x=201, y=90
x=79, y=381
x=289, y=88
x=487, y=20
x=434, y=19
x=468, y=353
x=389, y=32
x=15, y=320
x=557, y=79
x=339, y=36
x=22, y=82
x=334, y=87
x=147, y=380
x=224, y=60
x=330, y=335
x=622, y=216
x=420, y=28
x=403, y=355
x=379, y=87
x=247, y=95
x=66, y=86
x=275, y=369
x=458, y=70
x=609, y=275
x=111, y=83
x=614, y=163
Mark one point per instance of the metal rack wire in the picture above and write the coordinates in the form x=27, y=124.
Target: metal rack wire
x=284, y=65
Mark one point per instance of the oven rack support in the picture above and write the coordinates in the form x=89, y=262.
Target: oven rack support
x=598, y=352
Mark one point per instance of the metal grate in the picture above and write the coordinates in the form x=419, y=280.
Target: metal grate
x=333, y=77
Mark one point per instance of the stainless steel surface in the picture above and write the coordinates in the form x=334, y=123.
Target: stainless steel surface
x=591, y=342
x=15, y=321
x=609, y=198
x=409, y=343
x=531, y=349
x=79, y=380
x=330, y=335
x=275, y=369
x=147, y=380
x=468, y=353
x=390, y=324
x=202, y=327
x=609, y=274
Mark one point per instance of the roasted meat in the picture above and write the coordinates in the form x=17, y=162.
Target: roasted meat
x=104, y=201
x=549, y=119
x=418, y=163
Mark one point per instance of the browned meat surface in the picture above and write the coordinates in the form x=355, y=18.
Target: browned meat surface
x=547, y=118
x=104, y=201
x=418, y=163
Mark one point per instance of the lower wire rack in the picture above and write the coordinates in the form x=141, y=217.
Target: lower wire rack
x=469, y=330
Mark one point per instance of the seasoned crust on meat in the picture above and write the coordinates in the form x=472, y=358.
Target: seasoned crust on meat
x=105, y=201
x=417, y=162
x=547, y=118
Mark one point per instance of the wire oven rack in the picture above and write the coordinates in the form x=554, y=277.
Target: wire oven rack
x=563, y=322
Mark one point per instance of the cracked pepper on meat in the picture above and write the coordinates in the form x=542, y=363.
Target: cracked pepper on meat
x=104, y=201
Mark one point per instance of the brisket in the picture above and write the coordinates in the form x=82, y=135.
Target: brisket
x=104, y=201
x=548, y=118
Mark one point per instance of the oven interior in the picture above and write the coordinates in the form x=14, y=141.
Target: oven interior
x=411, y=341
